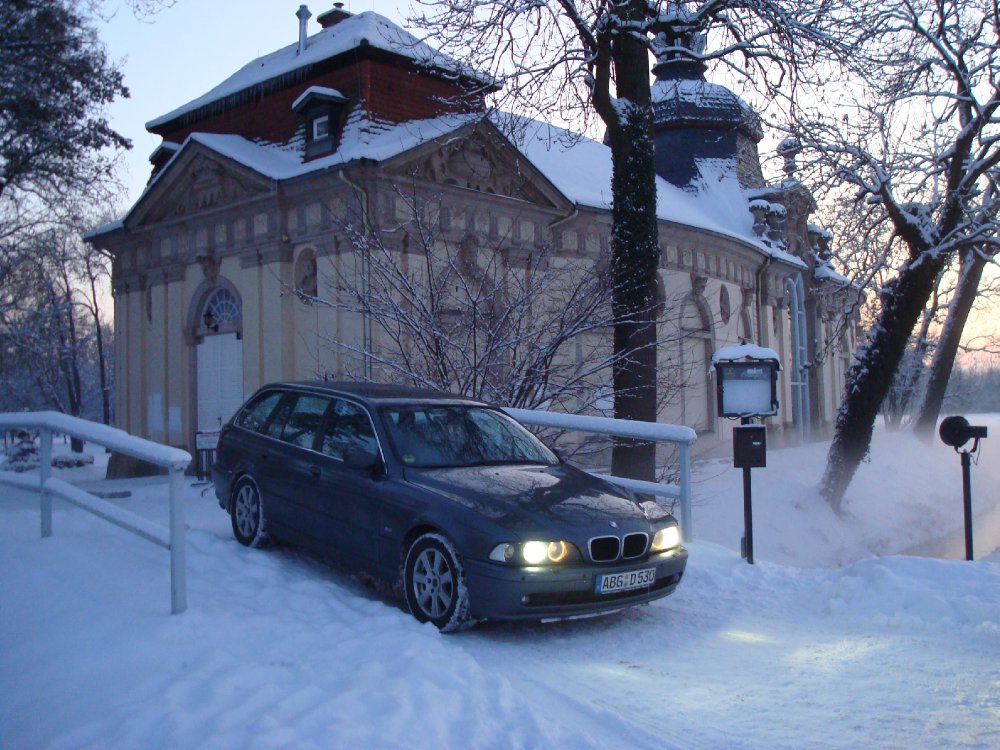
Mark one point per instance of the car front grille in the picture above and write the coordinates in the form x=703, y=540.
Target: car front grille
x=610, y=548
x=605, y=548
x=634, y=546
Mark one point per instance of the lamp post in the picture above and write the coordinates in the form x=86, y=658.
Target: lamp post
x=956, y=432
x=746, y=382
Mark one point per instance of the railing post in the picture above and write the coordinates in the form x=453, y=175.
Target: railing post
x=178, y=565
x=44, y=472
x=685, y=483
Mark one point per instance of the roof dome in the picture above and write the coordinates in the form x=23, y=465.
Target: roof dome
x=683, y=98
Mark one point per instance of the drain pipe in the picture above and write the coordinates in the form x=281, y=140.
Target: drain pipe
x=366, y=322
x=562, y=220
x=800, y=354
x=761, y=296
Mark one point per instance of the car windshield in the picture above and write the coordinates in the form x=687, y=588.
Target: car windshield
x=435, y=436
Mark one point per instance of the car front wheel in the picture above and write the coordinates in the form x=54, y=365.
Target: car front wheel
x=434, y=580
x=247, y=514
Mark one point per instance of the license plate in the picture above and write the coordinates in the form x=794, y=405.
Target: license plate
x=634, y=579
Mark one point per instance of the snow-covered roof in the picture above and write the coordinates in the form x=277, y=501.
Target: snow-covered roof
x=580, y=168
x=166, y=147
x=698, y=100
x=360, y=140
x=825, y=272
x=322, y=92
x=111, y=226
x=365, y=29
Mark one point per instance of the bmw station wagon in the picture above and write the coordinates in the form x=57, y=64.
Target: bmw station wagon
x=448, y=496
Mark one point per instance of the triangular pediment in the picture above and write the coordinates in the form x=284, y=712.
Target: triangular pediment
x=479, y=159
x=195, y=181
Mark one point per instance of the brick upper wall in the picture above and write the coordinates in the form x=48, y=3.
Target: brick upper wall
x=393, y=90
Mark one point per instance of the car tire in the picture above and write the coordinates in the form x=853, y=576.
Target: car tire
x=246, y=511
x=434, y=583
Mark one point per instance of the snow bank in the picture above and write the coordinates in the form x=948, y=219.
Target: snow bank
x=279, y=650
x=907, y=499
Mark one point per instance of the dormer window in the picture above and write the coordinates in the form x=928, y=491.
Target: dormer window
x=321, y=109
x=321, y=127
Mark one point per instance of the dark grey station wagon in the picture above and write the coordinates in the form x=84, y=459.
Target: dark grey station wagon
x=449, y=496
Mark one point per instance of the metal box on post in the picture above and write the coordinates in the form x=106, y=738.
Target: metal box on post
x=749, y=446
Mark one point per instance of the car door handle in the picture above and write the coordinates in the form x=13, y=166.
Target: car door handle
x=315, y=472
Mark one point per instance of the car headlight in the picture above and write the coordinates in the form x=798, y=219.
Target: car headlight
x=666, y=538
x=535, y=552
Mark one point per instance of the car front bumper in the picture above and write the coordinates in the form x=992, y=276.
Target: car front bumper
x=502, y=592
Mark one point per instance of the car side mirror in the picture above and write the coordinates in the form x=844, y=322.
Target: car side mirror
x=361, y=460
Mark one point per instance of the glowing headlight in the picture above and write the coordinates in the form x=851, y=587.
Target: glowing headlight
x=535, y=552
x=666, y=538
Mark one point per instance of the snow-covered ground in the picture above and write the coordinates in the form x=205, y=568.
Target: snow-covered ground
x=835, y=638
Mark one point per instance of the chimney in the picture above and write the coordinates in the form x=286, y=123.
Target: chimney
x=333, y=17
x=303, y=15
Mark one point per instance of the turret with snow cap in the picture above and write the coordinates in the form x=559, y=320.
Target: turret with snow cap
x=701, y=130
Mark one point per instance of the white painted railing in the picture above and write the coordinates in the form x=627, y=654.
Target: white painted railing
x=174, y=460
x=681, y=436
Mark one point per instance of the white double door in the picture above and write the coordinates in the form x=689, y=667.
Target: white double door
x=220, y=380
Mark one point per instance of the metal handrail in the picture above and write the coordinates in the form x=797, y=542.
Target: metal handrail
x=174, y=460
x=683, y=437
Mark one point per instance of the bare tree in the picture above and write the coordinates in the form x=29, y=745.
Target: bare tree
x=972, y=262
x=55, y=341
x=523, y=327
x=914, y=133
x=571, y=59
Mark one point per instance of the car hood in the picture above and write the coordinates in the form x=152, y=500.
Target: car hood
x=533, y=498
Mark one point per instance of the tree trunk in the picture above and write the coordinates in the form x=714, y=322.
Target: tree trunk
x=102, y=366
x=944, y=356
x=870, y=377
x=634, y=256
x=921, y=345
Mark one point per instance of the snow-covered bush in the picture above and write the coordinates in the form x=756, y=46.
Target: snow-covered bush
x=22, y=454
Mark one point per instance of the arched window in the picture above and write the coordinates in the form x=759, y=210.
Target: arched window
x=725, y=306
x=306, y=275
x=220, y=313
x=697, y=344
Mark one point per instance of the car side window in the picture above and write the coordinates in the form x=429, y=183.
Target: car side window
x=349, y=428
x=280, y=416
x=303, y=420
x=255, y=415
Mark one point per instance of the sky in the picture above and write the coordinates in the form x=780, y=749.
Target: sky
x=839, y=636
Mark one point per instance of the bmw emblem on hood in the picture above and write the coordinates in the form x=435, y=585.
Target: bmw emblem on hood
x=613, y=524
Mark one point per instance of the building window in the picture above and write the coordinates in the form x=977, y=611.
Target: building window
x=306, y=282
x=725, y=306
x=222, y=312
x=321, y=127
